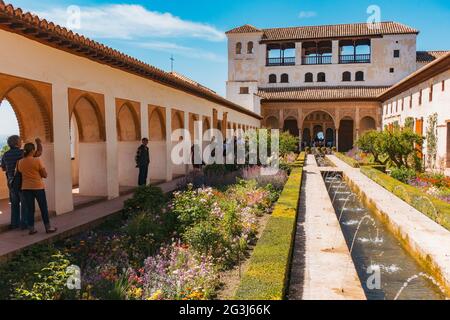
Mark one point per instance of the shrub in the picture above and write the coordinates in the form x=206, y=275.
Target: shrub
x=397, y=146
x=288, y=143
x=267, y=275
x=403, y=174
x=205, y=238
x=192, y=206
x=145, y=233
x=50, y=283
x=434, y=208
x=149, y=199
x=350, y=161
x=23, y=267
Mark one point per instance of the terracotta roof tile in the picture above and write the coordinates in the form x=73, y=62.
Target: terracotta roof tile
x=428, y=56
x=320, y=93
x=329, y=31
x=244, y=29
x=31, y=26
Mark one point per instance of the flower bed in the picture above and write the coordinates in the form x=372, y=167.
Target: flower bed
x=434, y=208
x=267, y=275
x=434, y=185
x=159, y=249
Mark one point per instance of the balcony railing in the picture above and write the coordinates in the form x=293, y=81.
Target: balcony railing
x=317, y=60
x=354, y=58
x=286, y=61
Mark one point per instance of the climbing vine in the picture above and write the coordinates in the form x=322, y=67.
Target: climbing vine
x=432, y=141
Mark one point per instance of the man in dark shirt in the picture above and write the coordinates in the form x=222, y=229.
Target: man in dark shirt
x=142, y=162
x=9, y=163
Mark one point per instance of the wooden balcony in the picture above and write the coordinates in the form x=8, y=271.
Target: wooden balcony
x=285, y=61
x=317, y=60
x=354, y=58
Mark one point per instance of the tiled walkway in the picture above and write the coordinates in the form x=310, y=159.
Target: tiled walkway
x=322, y=268
x=68, y=224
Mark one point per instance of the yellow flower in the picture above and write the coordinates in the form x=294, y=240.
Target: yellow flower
x=156, y=296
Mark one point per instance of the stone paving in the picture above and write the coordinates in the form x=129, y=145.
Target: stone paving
x=423, y=237
x=12, y=242
x=322, y=268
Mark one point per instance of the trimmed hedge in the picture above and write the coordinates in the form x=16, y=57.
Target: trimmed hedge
x=350, y=161
x=432, y=207
x=267, y=275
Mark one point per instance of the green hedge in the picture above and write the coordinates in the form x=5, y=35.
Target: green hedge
x=267, y=275
x=350, y=161
x=434, y=208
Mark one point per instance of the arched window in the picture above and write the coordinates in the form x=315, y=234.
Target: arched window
x=273, y=78
x=309, y=77
x=346, y=76
x=284, y=78
x=321, y=77
x=359, y=76
x=238, y=48
x=250, y=47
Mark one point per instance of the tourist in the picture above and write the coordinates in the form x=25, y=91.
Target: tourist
x=33, y=188
x=142, y=162
x=9, y=164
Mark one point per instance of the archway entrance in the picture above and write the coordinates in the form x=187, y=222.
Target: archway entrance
x=346, y=135
x=25, y=110
x=157, y=144
x=448, y=145
x=177, y=123
x=367, y=124
x=129, y=136
x=9, y=125
x=320, y=128
x=89, y=175
x=291, y=126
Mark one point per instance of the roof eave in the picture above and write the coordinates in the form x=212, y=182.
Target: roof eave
x=14, y=21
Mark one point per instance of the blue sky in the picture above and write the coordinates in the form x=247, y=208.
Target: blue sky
x=193, y=30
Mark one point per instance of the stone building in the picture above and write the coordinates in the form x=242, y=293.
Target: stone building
x=91, y=105
x=321, y=82
x=415, y=100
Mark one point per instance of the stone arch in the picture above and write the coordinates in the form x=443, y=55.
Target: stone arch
x=30, y=107
x=272, y=122
x=156, y=125
x=177, y=120
x=87, y=113
x=238, y=48
x=128, y=124
x=206, y=124
x=367, y=123
x=306, y=115
x=318, y=129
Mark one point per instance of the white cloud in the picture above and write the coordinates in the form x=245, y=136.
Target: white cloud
x=307, y=14
x=181, y=50
x=127, y=21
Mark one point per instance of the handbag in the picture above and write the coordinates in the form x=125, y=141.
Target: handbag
x=15, y=182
